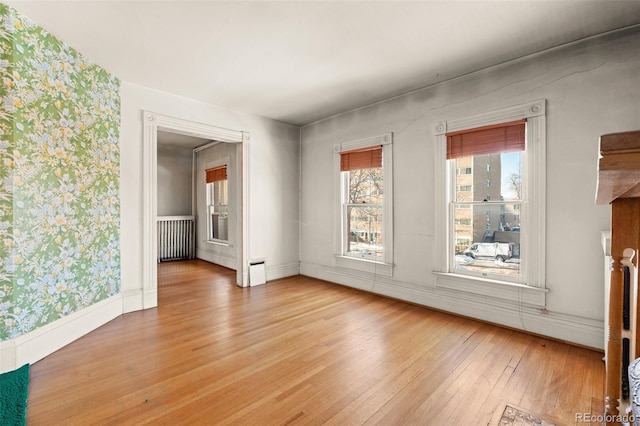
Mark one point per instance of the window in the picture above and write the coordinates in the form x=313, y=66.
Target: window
x=496, y=151
x=363, y=177
x=365, y=214
x=494, y=235
x=217, y=204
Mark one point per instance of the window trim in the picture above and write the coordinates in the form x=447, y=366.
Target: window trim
x=385, y=266
x=533, y=213
x=210, y=165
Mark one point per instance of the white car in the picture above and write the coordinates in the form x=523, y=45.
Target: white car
x=497, y=251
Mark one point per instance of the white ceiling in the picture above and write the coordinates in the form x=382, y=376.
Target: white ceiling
x=180, y=141
x=299, y=62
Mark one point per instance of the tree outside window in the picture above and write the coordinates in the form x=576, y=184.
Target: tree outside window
x=363, y=209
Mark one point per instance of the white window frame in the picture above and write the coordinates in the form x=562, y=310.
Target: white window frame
x=531, y=287
x=342, y=259
x=210, y=165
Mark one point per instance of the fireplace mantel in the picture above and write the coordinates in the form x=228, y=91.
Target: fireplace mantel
x=618, y=167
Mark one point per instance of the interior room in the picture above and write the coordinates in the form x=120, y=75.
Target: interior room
x=319, y=212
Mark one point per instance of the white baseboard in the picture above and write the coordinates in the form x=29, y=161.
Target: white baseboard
x=281, y=271
x=227, y=262
x=33, y=346
x=273, y=272
x=149, y=298
x=132, y=300
x=582, y=331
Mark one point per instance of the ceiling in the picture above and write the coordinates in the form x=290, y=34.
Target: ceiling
x=180, y=141
x=303, y=61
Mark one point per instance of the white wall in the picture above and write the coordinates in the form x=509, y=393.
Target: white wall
x=174, y=180
x=273, y=182
x=220, y=254
x=591, y=88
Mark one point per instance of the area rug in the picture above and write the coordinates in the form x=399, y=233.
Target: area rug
x=514, y=417
x=14, y=389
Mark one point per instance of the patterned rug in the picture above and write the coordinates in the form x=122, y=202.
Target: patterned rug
x=514, y=417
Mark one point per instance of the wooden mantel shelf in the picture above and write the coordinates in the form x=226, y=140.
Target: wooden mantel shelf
x=618, y=167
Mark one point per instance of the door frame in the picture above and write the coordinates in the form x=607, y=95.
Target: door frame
x=152, y=122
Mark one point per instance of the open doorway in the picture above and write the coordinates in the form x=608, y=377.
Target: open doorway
x=155, y=125
x=175, y=173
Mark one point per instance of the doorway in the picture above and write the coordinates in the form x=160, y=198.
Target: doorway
x=152, y=124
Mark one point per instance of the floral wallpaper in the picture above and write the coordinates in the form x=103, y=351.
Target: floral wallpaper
x=59, y=179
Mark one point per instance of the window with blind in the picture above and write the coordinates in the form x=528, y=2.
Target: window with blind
x=362, y=201
x=365, y=221
x=486, y=199
x=217, y=204
x=491, y=203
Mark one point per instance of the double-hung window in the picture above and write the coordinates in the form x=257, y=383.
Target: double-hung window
x=364, y=239
x=486, y=228
x=363, y=196
x=491, y=203
x=217, y=204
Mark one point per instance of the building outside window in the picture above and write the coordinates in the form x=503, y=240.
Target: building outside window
x=502, y=251
x=494, y=155
x=217, y=204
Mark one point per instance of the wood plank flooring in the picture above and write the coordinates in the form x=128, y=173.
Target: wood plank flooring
x=300, y=351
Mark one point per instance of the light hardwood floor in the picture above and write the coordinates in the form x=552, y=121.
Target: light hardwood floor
x=302, y=351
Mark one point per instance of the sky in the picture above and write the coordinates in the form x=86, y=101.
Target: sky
x=511, y=163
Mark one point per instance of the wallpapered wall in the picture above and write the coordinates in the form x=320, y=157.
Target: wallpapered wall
x=59, y=179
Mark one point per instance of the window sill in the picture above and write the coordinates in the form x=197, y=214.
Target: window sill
x=365, y=265
x=219, y=243
x=505, y=290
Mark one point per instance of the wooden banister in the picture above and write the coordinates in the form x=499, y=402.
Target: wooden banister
x=619, y=185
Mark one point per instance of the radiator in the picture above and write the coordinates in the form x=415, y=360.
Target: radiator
x=175, y=237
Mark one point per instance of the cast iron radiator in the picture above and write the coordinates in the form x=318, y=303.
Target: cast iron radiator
x=175, y=237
